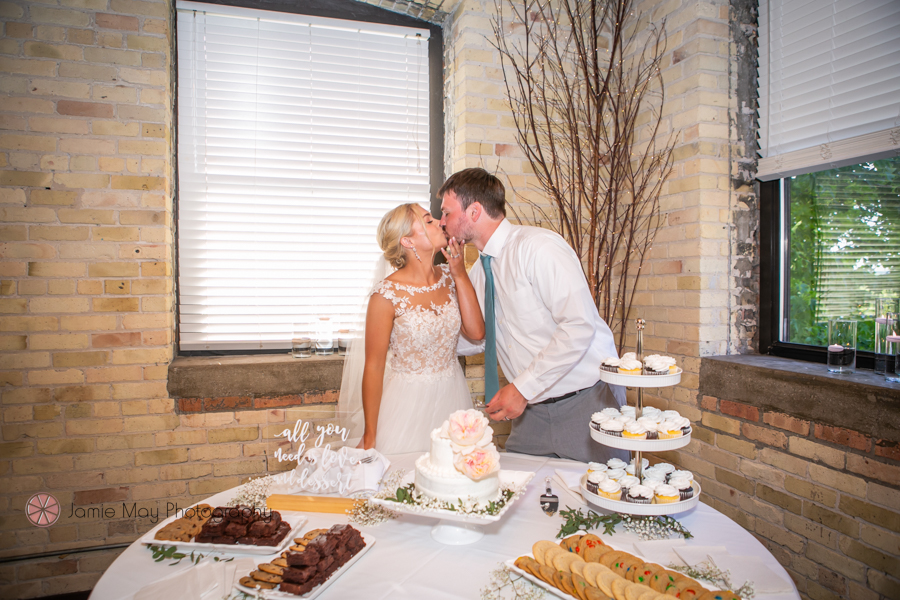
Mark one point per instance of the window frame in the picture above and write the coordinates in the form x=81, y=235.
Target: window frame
x=348, y=10
x=774, y=283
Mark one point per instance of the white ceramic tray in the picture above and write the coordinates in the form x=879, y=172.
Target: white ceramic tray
x=614, y=441
x=511, y=563
x=642, y=381
x=518, y=479
x=630, y=508
x=294, y=519
x=273, y=594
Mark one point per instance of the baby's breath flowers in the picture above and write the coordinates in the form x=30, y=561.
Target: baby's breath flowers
x=654, y=528
x=505, y=580
x=716, y=576
x=253, y=493
x=368, y=514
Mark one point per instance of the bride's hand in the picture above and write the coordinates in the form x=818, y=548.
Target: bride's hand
x=454, y=255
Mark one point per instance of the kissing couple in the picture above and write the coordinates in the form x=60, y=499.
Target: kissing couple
x=525, y=302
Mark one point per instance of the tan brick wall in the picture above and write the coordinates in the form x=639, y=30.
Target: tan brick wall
x=824, y=500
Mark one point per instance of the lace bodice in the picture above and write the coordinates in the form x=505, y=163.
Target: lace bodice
x=426, y=326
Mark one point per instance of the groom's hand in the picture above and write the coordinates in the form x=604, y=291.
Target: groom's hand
x=509, y=403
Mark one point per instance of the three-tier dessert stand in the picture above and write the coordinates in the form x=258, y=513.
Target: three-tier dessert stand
x=638, y=447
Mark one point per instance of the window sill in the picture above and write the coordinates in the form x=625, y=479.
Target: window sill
x=202, y=384
x=863, y=401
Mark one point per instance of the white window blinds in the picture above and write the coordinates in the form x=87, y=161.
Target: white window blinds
x=829, y=83
x=295, y=135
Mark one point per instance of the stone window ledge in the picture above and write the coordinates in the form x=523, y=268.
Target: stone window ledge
x=252, y=382
x=862, y=401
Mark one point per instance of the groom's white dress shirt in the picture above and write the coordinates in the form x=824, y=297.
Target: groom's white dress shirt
x=550, y=337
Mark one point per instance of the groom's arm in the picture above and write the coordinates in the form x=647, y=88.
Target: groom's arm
x=558, y=280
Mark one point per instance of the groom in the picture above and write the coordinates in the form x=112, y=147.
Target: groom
x=547, y=332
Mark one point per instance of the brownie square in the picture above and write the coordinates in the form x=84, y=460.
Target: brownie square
x=213, y=527
x=296, y=588
x=236, y=529
x=323, y=564
x=325, y=544
x=308, y=557
x=262, y=529
x=298, y=574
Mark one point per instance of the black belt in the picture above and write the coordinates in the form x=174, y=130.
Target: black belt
x=558, y=398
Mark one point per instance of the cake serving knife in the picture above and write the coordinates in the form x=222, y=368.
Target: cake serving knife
x=549, y=501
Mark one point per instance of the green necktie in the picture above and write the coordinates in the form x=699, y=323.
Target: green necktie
x=491, y=379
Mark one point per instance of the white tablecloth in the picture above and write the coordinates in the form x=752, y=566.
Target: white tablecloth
x=405, y=562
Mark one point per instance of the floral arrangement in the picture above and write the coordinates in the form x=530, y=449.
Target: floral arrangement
x=719, y=578
x=253, y=493
x=647, y=528
x=474, y=453
x=392, y=491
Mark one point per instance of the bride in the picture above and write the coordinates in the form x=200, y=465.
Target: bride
x=417, y=313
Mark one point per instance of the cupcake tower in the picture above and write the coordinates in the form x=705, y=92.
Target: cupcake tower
x=637, y=488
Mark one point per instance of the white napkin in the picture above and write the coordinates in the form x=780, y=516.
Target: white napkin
x=347, y=471
x=209, y=580
x=752, y=568
x=694, y=555
x=570, y=482
x=661, y=552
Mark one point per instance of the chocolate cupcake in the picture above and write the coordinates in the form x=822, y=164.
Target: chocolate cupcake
x=639, y=494
x=685, y=490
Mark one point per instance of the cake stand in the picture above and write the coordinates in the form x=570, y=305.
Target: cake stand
x=638, y=447
x=454, y=528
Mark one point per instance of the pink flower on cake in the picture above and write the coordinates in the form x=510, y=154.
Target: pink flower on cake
x=467, y=427
x=479, y=463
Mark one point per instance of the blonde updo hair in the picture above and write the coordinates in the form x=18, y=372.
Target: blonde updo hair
x=394, y=226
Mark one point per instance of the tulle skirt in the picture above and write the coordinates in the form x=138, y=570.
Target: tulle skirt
x=413, y=405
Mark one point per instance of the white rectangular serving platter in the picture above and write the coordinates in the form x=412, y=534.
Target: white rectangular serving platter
x=511, y=563
x=294, y=519
x=518, y=479
x=276, y=595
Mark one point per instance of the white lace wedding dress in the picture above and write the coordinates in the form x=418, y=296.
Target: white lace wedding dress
x=426, y=382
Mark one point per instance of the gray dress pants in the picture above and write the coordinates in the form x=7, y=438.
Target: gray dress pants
x=562, y=429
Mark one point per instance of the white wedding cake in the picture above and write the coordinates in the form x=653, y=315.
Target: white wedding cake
x=463, y=463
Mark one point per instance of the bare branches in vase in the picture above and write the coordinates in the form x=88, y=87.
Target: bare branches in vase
x=584, y=84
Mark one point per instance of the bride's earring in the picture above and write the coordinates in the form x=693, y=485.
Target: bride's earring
x=416, y=252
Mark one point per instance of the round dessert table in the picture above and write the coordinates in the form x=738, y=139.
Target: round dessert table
x=405, y=562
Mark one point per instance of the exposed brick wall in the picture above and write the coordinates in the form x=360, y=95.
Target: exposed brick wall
x=823, y=499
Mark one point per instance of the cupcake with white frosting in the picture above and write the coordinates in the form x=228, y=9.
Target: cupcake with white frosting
x=595, y=466
x=610, y=364
x=666, y=494
x=628, y=481
x=684, y=487
x=594, y=479
x=597, y=419
x=616, y=474
x=609, y=489
x=612, y=427
x=616, y=463
x=639, y=494
x=629, y=366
